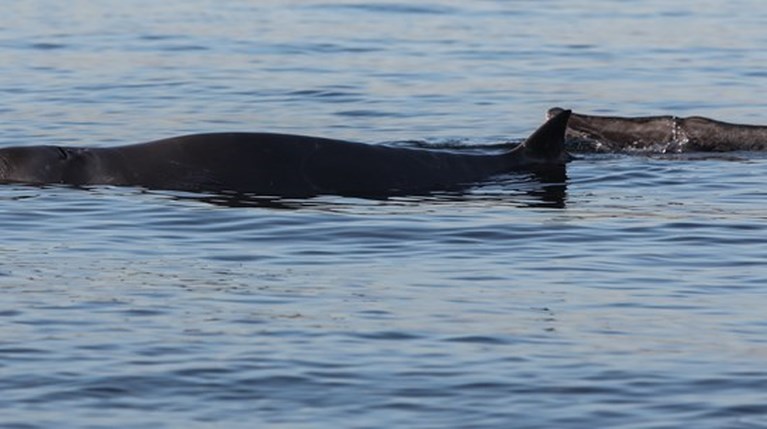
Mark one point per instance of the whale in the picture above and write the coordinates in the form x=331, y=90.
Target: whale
x=666, y=133
x=281, y=165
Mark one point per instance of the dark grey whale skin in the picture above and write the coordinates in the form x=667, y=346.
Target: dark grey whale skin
x=691, y=134
x=279, y=164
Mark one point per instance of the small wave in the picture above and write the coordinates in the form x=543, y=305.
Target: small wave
x=397, y=8
x=48, y=46
x=370, y=114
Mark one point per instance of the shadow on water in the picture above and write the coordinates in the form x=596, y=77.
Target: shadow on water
x=536, y=189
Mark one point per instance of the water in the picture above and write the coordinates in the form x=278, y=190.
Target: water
x=632, y=296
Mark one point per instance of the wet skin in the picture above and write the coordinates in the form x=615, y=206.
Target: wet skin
x=279, y=164
x=691, y=134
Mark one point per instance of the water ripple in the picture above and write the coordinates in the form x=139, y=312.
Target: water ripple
x=628, y=293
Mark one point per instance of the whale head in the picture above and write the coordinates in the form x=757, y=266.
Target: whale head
x=37, y=164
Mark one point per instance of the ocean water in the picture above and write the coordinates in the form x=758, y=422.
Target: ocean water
x=631, y=295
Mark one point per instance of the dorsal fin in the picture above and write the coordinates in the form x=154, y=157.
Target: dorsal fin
x=547, y=143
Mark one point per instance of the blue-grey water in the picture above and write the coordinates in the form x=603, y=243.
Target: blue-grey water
x=631, y=296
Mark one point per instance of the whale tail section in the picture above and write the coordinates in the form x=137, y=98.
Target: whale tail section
x=545, y=146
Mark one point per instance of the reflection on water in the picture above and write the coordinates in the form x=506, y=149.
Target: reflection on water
x=540, y=189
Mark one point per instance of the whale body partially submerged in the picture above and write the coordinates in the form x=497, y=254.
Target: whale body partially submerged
x=279, y=164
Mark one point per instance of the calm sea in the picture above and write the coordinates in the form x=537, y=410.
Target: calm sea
x=632, y=296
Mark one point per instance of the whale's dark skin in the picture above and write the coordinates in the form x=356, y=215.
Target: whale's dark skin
x=669, y=133
x=279, y=164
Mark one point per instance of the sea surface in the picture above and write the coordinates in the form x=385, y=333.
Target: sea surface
x=631, y=295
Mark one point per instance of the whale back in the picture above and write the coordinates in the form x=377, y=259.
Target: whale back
x=281, y=164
